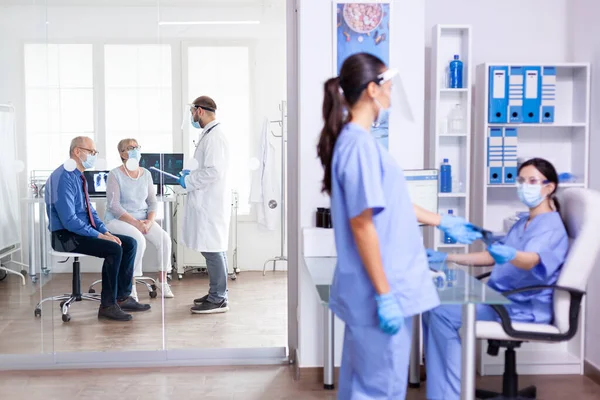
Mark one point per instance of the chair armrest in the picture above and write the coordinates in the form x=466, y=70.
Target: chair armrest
x=574, y=309
x=483, y=276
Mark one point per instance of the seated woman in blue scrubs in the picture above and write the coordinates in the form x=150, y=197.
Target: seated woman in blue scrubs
x=532, y=253
x=382, y=277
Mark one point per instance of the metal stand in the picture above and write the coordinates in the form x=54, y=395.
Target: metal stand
x=328, y=349
x=282, y=124
x=414, y=372
x=467, y=380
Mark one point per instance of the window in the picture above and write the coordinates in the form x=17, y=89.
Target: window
x=223, y=73
x=138, y=95
x=59, y=97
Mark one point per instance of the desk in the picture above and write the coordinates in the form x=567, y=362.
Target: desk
x=38, y=230
x=466, y=291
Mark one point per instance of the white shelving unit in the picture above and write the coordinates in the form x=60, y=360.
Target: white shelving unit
x=565, y=143
x=448, y=40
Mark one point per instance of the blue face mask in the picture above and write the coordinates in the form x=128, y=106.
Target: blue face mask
x=195, y=124
x=530, y=195
x=382, y=116
x=89, y=162
x=135, y=153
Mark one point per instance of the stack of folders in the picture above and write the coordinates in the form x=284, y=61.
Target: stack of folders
x=521, y=95
x=502, y=155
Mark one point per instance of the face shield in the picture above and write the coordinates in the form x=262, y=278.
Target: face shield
x=391, y=83
x=188, y=112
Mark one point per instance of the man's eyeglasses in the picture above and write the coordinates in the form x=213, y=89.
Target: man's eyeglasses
x=92, y=152
x=532, y=181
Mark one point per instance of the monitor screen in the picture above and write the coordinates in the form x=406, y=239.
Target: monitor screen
x=423, y=188
x=96, y=181
x=171, y=163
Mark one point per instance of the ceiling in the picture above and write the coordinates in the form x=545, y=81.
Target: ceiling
x=136, y=3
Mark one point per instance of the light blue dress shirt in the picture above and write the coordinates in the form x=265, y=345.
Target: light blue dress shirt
x=365, y=176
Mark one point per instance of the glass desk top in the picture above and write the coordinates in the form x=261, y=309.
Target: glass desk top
x=461, y=288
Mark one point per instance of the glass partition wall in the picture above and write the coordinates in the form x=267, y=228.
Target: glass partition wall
x=125, y=78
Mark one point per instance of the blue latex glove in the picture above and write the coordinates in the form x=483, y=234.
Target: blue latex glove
x=184, y=173
x=459, y=229
x=391, y=319
x=501, y=253
x=436, y=259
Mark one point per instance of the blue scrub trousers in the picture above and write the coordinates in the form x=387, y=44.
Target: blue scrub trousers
x=374, y=364
x=441, y=328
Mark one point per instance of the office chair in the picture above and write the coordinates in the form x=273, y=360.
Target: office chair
x=67, y=300
x=580, y=212
x=140, y=280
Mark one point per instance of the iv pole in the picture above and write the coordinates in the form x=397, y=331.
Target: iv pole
x=282, y=125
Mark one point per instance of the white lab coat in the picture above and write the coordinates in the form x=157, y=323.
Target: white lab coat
x=264, y=193
x=208, y=207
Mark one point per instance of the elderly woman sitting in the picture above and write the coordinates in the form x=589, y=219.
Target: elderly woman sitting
x=130, y=211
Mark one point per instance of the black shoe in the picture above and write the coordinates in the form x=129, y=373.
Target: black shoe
x=129, y=304
x=210, y=308
x=201, y=300
x=114, y=313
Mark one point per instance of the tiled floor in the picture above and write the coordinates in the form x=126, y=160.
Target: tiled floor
x=224, y=383
x=257, y=318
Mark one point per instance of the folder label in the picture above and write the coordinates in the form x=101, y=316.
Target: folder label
x=498, y=95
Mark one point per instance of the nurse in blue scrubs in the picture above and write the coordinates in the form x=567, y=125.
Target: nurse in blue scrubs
x=532, y=253
x=382, y=277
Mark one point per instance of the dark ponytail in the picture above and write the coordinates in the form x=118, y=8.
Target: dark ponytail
x=333, y=115
x=545, y=168
x=341, y=93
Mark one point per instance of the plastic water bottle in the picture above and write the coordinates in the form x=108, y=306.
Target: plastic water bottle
x=445, y=177
x=448, y=239
x=456, y=120
x=456, y=72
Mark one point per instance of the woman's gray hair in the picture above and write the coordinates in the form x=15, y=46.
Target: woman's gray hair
x=124, y=142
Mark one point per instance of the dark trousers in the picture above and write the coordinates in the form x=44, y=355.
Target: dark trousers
x=117, y=270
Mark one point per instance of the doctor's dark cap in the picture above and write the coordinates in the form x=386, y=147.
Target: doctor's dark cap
x=205, y=103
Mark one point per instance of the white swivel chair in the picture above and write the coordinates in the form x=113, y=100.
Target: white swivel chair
x=580, y=212
x=67, y=299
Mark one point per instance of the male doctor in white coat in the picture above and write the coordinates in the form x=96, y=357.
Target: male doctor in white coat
x=208, y=207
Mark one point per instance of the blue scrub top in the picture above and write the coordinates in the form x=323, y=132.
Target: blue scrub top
x=545, y=235
x=365, y=176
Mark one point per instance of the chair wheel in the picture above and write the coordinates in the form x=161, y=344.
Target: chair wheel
x=153, y=286
x=66, y=317
x=3, y=274
x=37, y=312
x=233, y=277
x=23, y=272
x=91, y=291
x=153, y=294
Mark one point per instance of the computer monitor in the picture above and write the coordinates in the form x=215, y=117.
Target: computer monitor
x=96, y=182
x=423, y=188
x=168, y=162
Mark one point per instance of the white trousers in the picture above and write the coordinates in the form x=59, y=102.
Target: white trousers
x=156, y=235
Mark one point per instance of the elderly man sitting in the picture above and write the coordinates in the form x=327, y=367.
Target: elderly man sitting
x=76, y=228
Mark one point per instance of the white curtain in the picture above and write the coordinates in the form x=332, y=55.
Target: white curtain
x=9, y=195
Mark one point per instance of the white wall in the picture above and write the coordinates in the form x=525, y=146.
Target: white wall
x=585, y=47
x=498, y=35
x=20, y=24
